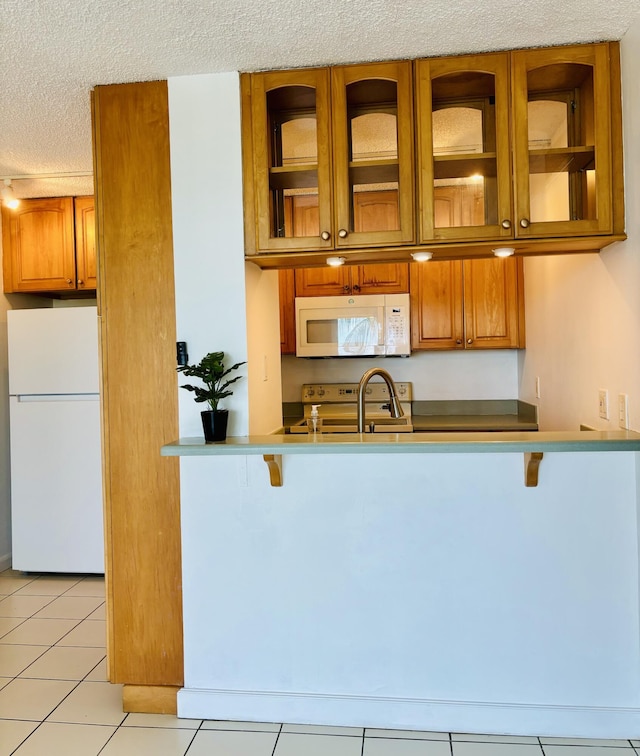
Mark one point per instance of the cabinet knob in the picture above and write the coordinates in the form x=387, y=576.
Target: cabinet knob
x=69, y=281
x=506, y=223
x=346, y=288
x=524, y=223
x=80, y=282
x=469, y=341
x=325, y=236
x=458, y=341
x=356, y=287
x=343, y=233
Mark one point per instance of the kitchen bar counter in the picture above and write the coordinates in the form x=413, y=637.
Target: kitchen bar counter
x=532, y=444
x=407, y=443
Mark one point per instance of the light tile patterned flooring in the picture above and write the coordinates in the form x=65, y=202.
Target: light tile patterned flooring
x=55, y=700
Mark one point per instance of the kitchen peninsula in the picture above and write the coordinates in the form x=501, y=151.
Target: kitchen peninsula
x=486, y=604
x=412, y=581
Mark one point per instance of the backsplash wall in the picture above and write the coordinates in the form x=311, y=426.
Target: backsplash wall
x=491, y=374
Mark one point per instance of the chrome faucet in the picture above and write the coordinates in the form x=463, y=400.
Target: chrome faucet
x=394, y=405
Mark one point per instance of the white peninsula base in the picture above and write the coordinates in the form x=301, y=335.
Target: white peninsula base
x=415, y=591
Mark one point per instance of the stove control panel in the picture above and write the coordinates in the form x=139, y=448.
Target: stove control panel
x=376, y=391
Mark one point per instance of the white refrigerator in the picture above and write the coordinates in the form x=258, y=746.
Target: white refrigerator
x=56, y=467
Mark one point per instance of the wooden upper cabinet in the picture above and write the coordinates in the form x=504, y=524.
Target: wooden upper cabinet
x=493, y=303
x=331, y=162
x=467, y=304
x=437, y=320
x=464, y=167
x=85, y=226
x=291, y=161
x=286, y=284
x=372, y=113
x=562, y=124
x=519, y=148
x=38, y=246
x=352, y=279
x=49, y=245
x=555, y=162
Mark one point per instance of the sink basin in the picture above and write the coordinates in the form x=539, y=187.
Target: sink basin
x=350, y=425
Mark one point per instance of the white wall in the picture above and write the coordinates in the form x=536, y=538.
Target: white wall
x=206, y=183
x=491, y=374
x=583, y=311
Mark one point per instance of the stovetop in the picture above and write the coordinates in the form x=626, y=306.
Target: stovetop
x=338, y=408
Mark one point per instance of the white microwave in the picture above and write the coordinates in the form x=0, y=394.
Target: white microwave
x=359, y=326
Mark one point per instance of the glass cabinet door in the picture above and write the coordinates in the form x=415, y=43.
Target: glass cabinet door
x=463, y=142
x=292, y=154
x=373, y=154
x=562, y=141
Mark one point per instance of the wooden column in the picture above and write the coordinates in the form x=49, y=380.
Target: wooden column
x=136, y=306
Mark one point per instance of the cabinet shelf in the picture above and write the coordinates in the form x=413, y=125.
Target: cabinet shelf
x=464, y=166
x=294, y=177
x=562, y=160
x=374, y=171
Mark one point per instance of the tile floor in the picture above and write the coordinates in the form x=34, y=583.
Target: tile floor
x=55, y=700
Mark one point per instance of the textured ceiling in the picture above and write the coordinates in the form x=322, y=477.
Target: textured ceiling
x=52, y=52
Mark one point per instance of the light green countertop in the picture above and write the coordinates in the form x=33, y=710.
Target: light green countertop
x=403, y=443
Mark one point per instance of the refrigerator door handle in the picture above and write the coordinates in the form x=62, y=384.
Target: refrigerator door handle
x=57, y=397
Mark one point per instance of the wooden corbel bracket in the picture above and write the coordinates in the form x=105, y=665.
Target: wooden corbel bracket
x=274, y=463
x=531, y=467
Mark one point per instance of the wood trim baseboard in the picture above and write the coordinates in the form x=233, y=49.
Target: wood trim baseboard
x=150, y=699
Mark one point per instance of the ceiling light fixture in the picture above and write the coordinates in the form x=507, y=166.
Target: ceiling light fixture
x=421, y=256
x=336, y=261
x=8, y=197
x=503, y=251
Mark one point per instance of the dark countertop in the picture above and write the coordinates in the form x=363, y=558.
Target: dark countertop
x=474, y=415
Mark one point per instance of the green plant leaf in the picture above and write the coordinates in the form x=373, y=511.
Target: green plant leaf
x=211, y=371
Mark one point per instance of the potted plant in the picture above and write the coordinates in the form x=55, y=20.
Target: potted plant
x=212, y=372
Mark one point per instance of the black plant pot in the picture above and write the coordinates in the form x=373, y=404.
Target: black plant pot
x=214, y=424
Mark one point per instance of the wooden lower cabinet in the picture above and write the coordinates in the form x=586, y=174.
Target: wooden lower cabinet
x=467, y=304
x=136, y=308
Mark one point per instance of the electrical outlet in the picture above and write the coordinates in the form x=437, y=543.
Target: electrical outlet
x=603, y=403
x=537, y=387
x=623, y=411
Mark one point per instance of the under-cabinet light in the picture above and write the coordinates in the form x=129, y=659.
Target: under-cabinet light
x=503, y=251
x=8, y=197
x=336, y=261
x=421, y=256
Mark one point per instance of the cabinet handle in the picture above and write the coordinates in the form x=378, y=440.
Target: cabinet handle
x=525, y=223
x=469, y=341
x=506, y=223
x=325, y=236
x=343, y=233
